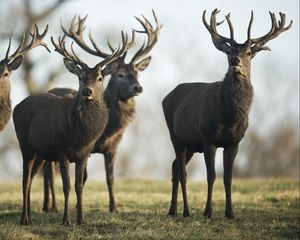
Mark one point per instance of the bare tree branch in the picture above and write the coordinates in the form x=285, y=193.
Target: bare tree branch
x=38, y=17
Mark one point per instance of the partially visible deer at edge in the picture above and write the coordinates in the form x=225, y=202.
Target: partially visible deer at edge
x=119, y=96
x=64, y=129
x=11, y=63
x=202, y=117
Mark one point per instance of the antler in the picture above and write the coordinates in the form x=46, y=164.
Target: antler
x=60, y=47
x=35, y=41
x=76, y=33
x=219, y=41
x=275, y=30
x=152, y=35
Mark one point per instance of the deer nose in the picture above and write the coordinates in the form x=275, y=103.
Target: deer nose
x=138, y=88
x=87, y=92
x=236, y=61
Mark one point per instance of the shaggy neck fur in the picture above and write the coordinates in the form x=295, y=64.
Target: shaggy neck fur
x=88, y=121
x=5, y=107
x=121, y=113
x=236, y=96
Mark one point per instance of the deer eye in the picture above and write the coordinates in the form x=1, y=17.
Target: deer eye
x=249, y=53
x=121, y=75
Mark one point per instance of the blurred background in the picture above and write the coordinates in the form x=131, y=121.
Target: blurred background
x=184, y=53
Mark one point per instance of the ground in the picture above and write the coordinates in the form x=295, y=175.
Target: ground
x=264, y=209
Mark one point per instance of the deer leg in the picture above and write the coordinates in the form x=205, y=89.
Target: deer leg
x=79, y=174
x=46, y=187
x=52, y=187
x=175, y=182
x=109, y=169
x=209, y=156
x=65, y=175
x=36, y=166
x=229, y=155
x=85, y=175
x=181, y=159
x=27, y=167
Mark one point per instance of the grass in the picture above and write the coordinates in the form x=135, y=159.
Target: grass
x=264, y=209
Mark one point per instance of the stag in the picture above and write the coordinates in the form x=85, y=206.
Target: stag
x=202, y=117
x=119, y=96
x=11, y=63
x=64, y=129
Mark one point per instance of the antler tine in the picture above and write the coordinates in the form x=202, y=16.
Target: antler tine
x=132, y=42
x=8, y=49
x=152, y=36
x=230, y=26
x=147, y=22
x=59, y=46
x=81, y=26
x=277, y=27
x=99, y=52
x=109, y=45
x=249, y=28
x=282, y=15
x=39, y=38
x=74, y=55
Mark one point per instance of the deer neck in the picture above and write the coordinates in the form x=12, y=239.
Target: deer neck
x=88, y=119
x=121, y=111
x=236, y=96
x=116, y=105
x=5, y=106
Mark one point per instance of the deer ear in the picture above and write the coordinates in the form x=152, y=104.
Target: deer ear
x=16, y=63
x=143, y=64
x=72, y=67
x=110, y=68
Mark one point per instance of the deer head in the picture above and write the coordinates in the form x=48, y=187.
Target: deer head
x=240, y=55
x=14, y=61
x=90, y=78
x=124, y=75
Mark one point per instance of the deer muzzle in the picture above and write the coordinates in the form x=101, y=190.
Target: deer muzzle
x=87, y=93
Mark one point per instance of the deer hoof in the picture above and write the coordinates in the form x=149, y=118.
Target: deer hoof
x=172, y=213
x=186, y=214
x=66, y=223
x=229, y=215
x=80, y=221
x=207, y=214
x=25, y=221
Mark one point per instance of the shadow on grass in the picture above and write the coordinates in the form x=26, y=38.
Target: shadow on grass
x=10, y=217
x=249, y=222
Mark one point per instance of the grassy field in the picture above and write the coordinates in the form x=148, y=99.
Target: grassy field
x=264, y=209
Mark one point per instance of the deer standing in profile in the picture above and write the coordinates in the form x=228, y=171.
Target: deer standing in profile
x=11, y=63
x=119, y=96
x=64, y=129
x=202, y=117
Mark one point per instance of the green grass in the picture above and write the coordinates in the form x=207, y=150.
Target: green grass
x=264, y=209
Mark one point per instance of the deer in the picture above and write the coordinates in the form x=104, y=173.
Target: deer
x=202, y=117
x=119, y=96
x=64, y=129
x=12, y=62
